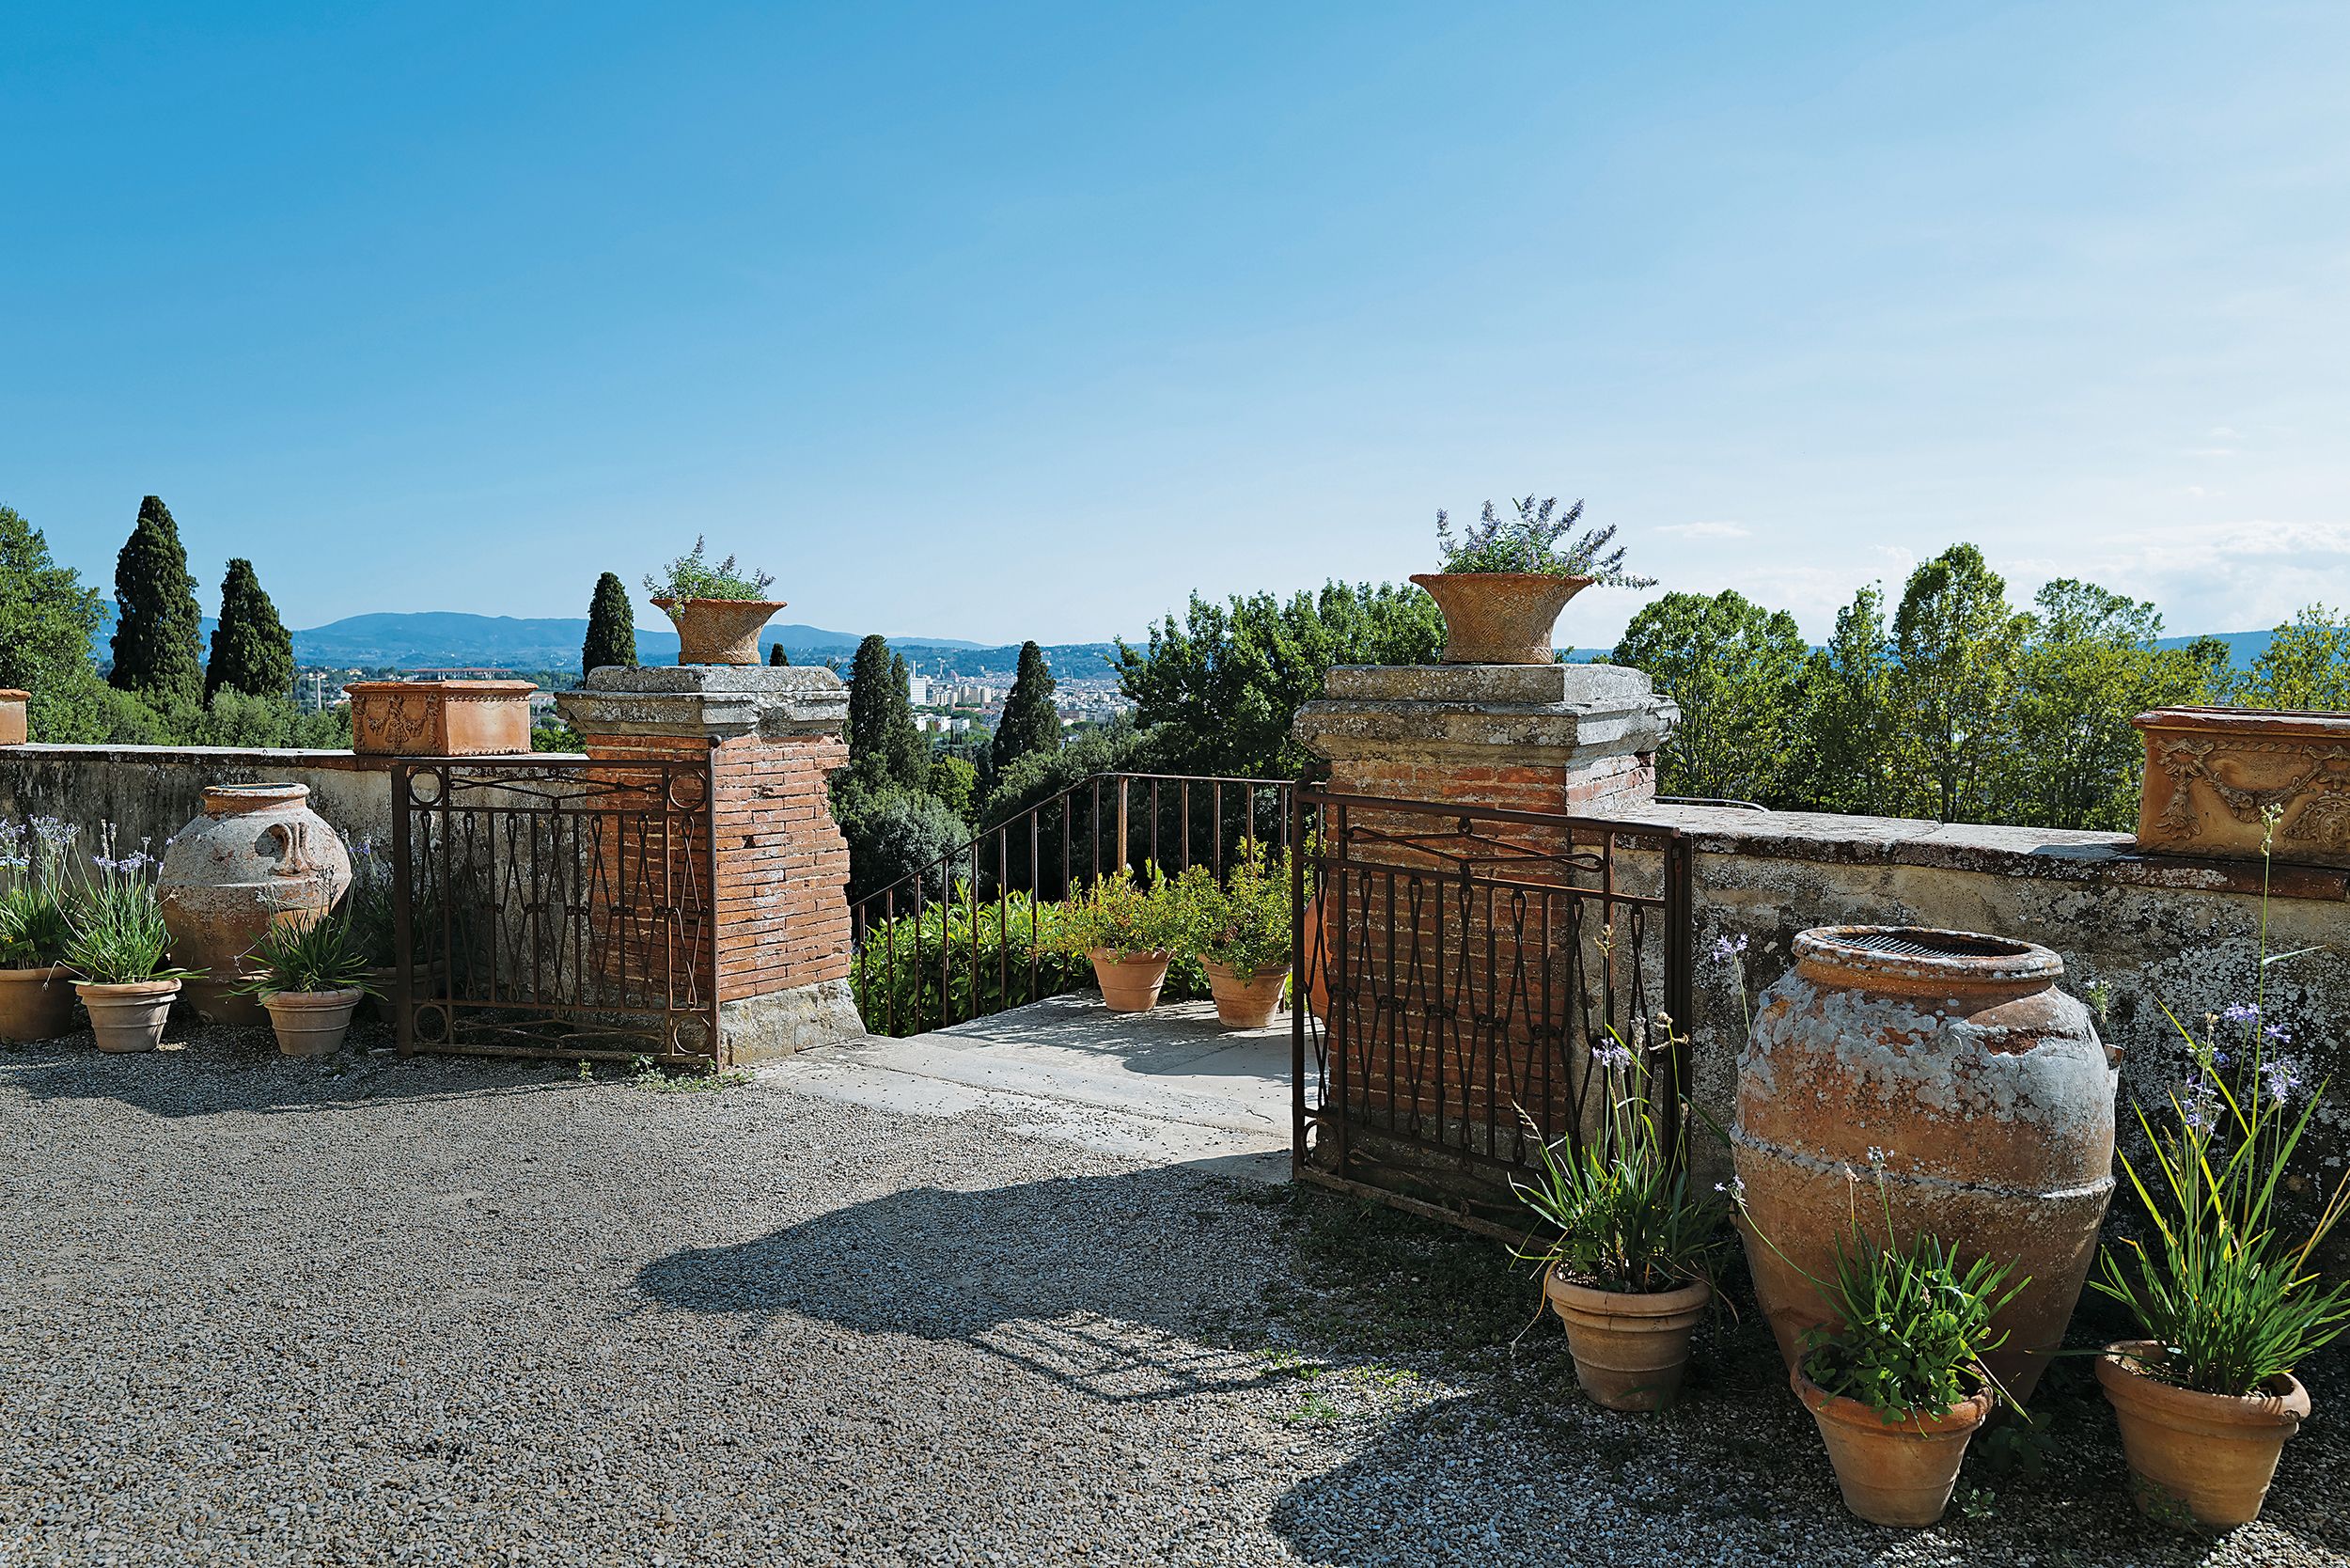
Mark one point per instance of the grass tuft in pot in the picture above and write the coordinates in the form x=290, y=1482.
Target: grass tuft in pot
x=119, y=952
x=311, y=977
x=1632, y=1244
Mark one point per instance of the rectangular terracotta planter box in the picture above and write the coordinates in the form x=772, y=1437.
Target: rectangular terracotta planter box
x=12, y=715
x=2211, y=772
x=440, y=719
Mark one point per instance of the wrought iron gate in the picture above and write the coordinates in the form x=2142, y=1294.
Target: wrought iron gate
x=555, y=907
x=1456, y=968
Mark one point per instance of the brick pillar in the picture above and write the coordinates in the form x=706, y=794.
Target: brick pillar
x=782, y=868
x=1577, y=738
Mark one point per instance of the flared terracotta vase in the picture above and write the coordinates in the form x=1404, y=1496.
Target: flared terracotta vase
x=1984, y=1092
x=1899, y=1474
x=1245, y=1001
x=719, y=630
x=1630, y=1349
x=1499, y=618
x=1130, y=981
x=257, y=856
x=129, y=1017
x=2197, y=1460
x=35, y=1004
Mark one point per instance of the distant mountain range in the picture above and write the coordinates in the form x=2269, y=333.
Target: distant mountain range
x=443, y=639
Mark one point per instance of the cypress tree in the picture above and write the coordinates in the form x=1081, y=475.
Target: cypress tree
x=252, y=651
x=158, y=628
x=908, y=753
x=869, y=705
x=1030, y=723
x=777, y=657
x=611, y=627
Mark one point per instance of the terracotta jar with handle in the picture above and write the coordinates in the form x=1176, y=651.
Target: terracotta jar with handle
x=257, y=856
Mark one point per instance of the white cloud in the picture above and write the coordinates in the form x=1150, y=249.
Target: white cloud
x=2230, y=576
x=1707, y=530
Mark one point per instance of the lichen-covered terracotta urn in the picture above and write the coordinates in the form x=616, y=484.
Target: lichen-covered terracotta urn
x=257, y=857
x=1950, y=1062
x=1499, y=618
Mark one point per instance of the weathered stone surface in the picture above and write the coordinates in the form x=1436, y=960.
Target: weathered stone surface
x=1507, y=683
x=1455, y=713
x=146, y=793
x=782, y=1023
x=708, y=699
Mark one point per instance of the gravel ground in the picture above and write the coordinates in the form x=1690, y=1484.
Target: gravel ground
x=434, y=1311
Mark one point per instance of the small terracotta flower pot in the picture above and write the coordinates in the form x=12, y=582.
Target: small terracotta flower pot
x=311, y=1023
x=1630, y=1349
x=1499, y=618
x=2204, y=1458
x=35, y=1004
x=1130, y=981
x=719, y=630
x=129, y=1017
x=1245, y=1001
x=1899, y=1474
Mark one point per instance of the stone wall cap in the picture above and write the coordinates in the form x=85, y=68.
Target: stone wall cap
x=198, y=756
x=730, y=678
x=2260, y=721
x=1540, y=685
x=473, y=690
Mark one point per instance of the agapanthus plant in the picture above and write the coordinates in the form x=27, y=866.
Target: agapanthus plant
x=33, y=926
x=116, y=936
x=2222, y=1286
x=1540, y=539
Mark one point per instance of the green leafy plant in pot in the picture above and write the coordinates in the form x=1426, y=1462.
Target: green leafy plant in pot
x=717, y=607
x=36, y=990
x=119, y=952
x=1505, y=579
x=1240, y=926
x=1895, y=1378
x=1633, y=1244
x=311, y=977
x=2227, y=1301
x=1128, y=927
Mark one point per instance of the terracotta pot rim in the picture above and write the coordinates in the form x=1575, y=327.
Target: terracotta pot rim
x=109, y=990
x=769, y=605
x=1131, y=955
x=1628, y=1304
x=2118, y=1372
x=43, y=973
x=2314, y=722
x=227, y=800
x=1959, y=1419
x=1515, y=578
x=1217, y=967
x=315, y=1001
x=1959, y=957
x=9, y=694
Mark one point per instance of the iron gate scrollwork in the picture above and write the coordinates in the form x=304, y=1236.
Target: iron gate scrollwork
x=1455, y=969
x=557, y=906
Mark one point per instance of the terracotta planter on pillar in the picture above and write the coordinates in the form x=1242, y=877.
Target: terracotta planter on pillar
x=2211, y=771
x=1630, y=1349
x=1900, y=1474
x=12, y=715
x=257, y=856
x=35, y=1004
x=440, y=719
x=1499, y=618
x=1983, y=1085
x=1130, y=981
x=2196, y=1459
x=719, y=630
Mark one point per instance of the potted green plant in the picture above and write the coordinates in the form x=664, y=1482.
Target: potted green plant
x=36, y=994
x=1128, y=927
x=716, y=607
x=1240, y=928
x=2226, y=1300
x=311, y=977
x=1505, y=579
x=1632, y=1244
x=117, y=946
x=1895, y=1377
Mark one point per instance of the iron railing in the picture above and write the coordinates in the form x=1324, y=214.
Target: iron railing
x=962, y=937
x=1457, y=967
x=555, y=907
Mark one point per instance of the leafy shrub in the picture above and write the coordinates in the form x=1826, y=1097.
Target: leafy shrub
x=692, y=577
x=895, y=833
x=1124, y=913
x=1242, y=921
x=1538, y=539
x=996, y=956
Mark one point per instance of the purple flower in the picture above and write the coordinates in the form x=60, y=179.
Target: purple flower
x=1612, y=1057
x=2276, y=1034
x=2247, y=1014
x=1728, y=950
x=2199, y=1108
x=2281, y=1075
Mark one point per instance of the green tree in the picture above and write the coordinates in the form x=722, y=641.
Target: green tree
x=1736, y=670
x=47, y=621
x=1845, y=757
x=1954, y=642
x=2306, y=664
x=158, y=627
x=776, y=656
x=895, y=833
x=884, y=745
x=611, y=627
x=1223, y=685
x=252, y=650
x=956, y=781
x=1030, y=722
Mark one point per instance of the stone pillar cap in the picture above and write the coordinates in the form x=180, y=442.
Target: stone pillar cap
x=719, y=700
x=1532, y=714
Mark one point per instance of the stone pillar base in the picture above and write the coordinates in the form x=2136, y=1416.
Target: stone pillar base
x=776, y=1024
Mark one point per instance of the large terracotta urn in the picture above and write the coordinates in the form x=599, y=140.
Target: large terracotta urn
x=1499, y=618
x=719, y=630
x=1950, y=1062
x=257, y=856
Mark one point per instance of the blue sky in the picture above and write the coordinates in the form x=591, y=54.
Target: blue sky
x=1002, y=321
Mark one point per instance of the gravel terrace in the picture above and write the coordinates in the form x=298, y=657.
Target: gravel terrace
x=441, y=1311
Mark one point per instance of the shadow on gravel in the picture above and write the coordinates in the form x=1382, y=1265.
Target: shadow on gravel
x=208, y=1068
x=1102, y=1284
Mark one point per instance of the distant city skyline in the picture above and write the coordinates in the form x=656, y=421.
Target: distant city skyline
x=1024, y=323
